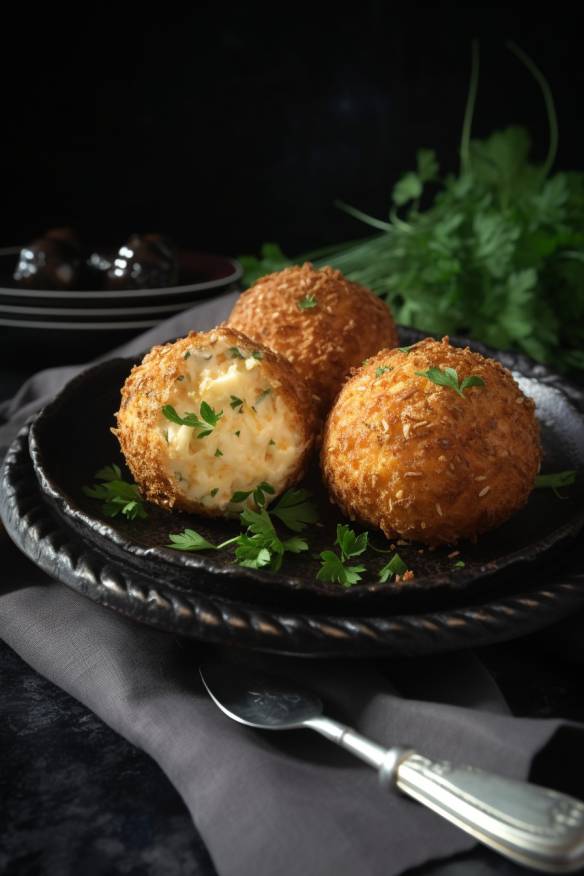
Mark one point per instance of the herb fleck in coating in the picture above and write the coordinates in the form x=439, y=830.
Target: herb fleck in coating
x=422, y=462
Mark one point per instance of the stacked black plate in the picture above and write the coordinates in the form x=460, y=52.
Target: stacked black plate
x=56, y=326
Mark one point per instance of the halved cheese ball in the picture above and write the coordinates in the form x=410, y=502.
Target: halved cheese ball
x=320, y=321
x=421, y=461
x=211, y=415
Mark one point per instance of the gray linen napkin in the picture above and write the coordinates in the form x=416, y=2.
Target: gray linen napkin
x=275, y=804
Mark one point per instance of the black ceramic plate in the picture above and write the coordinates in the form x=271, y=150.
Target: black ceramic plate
x=126, y=564
x=84, y=414
x=458, y=621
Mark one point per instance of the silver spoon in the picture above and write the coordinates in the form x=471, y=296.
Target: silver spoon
x=534, y=826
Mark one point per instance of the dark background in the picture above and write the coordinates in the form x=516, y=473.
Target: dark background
x=225, y=127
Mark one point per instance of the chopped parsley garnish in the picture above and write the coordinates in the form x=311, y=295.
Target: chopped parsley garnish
x=295, y=510
x=406, y=350
x=334, y=570
x=460, y=564
x=395, y=566
x=189, y=540
x=258, y=494
x=449, y=377
x=260, y=545
x=333, y=567
x=382, y=369
x=307, y=303
x=187, y=355
x=263, y=394
x=180, y=377
x=235, y=353
x=556, y=480
x=218, y=452
x=271, y=443
x=351, y=544
x=238, y=433
x=236, y=402
x=209, y=418
x=214, y=492
x=118, y=496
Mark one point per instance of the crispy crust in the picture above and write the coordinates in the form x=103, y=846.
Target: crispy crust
x=420, y=462
x=348, y=324
x=147, y=389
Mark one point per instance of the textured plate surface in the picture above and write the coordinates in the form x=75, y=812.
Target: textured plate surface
x=81, y=418
x=459, y=622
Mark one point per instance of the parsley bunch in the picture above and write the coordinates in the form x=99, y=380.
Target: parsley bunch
x=495, y=252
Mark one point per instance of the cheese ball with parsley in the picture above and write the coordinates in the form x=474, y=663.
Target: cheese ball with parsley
x=210, y=416
x=320, y=321
x=431, y=443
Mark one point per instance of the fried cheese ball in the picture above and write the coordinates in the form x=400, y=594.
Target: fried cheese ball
x=210, y=415
x=419, y=460
x=320, y=321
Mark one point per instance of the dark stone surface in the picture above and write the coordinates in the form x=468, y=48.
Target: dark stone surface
x=77, y=798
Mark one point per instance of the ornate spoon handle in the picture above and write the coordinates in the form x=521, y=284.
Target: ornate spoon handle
x=532, y=825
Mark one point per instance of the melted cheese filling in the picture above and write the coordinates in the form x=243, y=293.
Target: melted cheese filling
x=254, y=440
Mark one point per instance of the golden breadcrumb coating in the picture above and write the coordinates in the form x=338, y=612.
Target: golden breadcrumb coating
x=421, y=462
x=264, y=431
x=346, y=324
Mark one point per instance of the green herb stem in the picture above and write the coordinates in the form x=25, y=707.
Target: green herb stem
x=469, y=109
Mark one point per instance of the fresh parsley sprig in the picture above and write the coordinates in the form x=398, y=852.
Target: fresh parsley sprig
x=118, y=496
x=207, y=421
x=259, y=494
x=395, y=566
x=295, y=509
x=556, y=480
x=449, y=377
x=351, y=544
x=335, y=568
x=190, y=540
x=260, y=545
x=335, y=571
